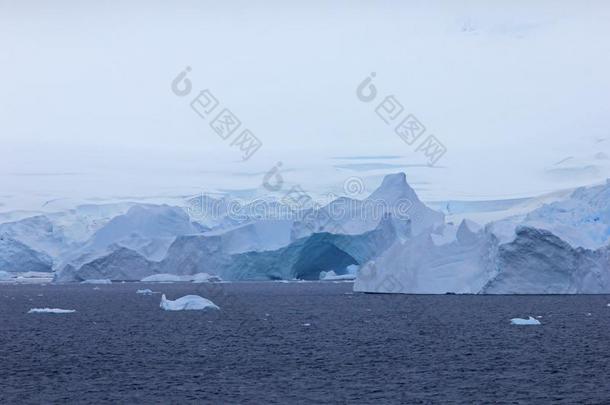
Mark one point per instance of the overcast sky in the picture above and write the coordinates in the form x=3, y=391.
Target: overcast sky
x=518, y=92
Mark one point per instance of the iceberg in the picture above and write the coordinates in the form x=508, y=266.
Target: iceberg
x=419, y=266
x=4, y=276
x=187, y=303
x=50, y=311
x=521, y=321
x=97, y=281
x=145, y=291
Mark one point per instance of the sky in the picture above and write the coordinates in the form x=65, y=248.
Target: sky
x=517, y=93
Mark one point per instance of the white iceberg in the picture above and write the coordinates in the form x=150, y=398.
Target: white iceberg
x=521, y=321
x=145, y=291
x=50, y=311
x=97, y=281
x=4, y=276
x=187, y=303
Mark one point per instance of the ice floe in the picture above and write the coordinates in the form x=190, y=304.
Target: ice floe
x=171, y=278
x=188, y=302
x=332, y=276
x=521, y=321
x=165, y=278
x=97, y=281
x=145, y=291
x=50, y=311
x=205, y=278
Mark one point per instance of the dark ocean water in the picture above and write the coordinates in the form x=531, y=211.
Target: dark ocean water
x=358, y=348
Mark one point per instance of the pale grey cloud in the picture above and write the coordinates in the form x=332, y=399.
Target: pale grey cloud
x=509, y=88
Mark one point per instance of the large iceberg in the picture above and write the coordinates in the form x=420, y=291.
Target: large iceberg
x=419, y=265
x=504, y=257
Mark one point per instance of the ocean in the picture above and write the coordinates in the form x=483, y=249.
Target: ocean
x=310, y=342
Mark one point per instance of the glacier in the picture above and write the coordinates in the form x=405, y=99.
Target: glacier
x=556, y=243
x=16, y=256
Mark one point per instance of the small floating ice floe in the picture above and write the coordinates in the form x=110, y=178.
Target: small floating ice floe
x=521, y=321
x=175, y=278
x=97, y=281
x=146, y=291
x=205, y=278
x=332, y=276
x=50, y=311
x=187, y=303
x=165, y=278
